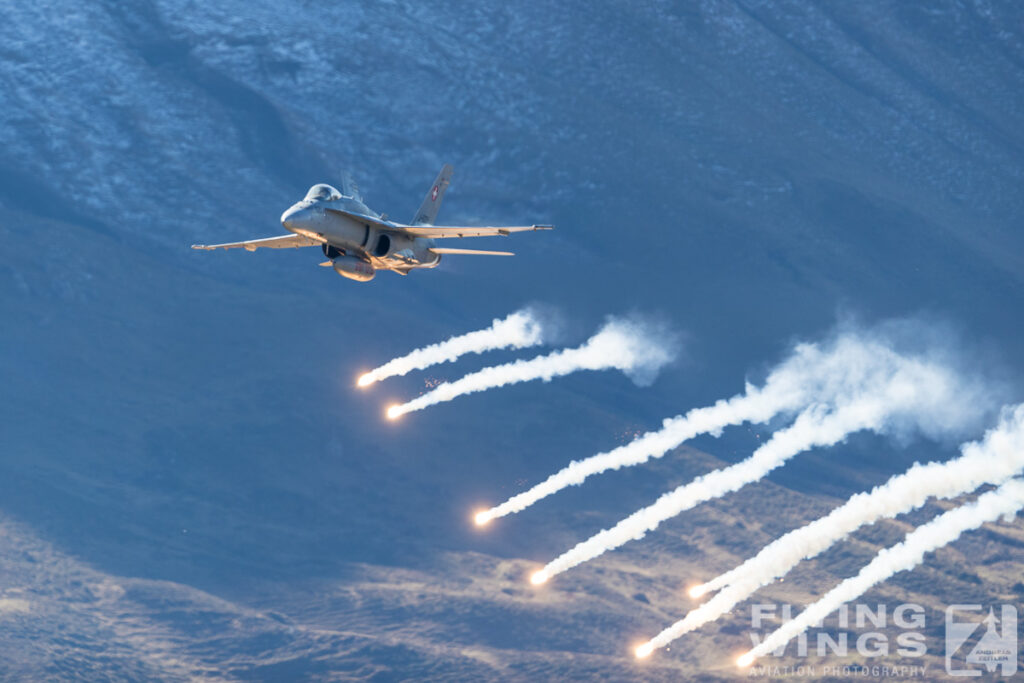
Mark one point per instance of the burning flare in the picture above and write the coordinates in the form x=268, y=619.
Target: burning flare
x=633, y=347
x=1006, y=501
x=995, y=459
x=813, y=373
x=644, y=651
x=483, y=517
x=891, y=392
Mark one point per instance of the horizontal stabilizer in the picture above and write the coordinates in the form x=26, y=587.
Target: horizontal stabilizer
x=472, y=252
x=434, y=231
x=440, y=232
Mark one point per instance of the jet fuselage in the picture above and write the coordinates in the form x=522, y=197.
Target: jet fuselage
x=358, y=241
x=383, y=249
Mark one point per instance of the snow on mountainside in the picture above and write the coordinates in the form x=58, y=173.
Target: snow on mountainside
x=825, y=153
x=194, y=105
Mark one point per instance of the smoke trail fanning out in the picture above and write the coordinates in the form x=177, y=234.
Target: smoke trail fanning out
x=893, y=392
x=638, y=349
x=1007, y=501
x=993, y=460
x=519, y=330
x=812, y=373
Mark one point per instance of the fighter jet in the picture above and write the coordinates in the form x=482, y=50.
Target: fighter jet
x=358, y=241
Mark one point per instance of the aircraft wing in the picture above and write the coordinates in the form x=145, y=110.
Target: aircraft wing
x=471, y=252
x=282, y=242
x=437, y=232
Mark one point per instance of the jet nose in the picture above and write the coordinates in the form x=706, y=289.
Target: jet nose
x=291, y=218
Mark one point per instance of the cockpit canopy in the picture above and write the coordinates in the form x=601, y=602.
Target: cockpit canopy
x=323, y=192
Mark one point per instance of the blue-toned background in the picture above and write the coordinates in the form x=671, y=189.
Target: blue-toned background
x=191, y=486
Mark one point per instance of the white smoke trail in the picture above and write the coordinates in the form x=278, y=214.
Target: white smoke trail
x=636, y=348
x=1006, y=501
x=913, y=393
x=999, y=456
x=519, y=330
x=812, y=373
x=993, y=460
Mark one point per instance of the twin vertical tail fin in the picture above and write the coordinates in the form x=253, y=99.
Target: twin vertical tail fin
x=427, y=212
x=349, y=187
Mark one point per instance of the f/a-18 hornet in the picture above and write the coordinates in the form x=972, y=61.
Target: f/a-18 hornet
x=358, y=241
